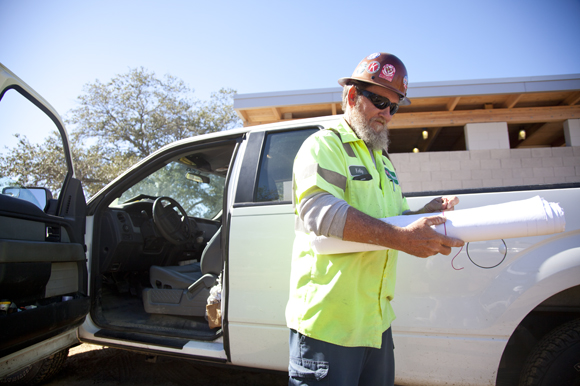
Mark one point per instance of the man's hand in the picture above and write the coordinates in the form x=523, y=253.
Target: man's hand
x=441, y=204
x=438, y=204
x=417, y=239
x=422, y=241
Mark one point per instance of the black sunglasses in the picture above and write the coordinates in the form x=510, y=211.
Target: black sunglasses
x=380, y=102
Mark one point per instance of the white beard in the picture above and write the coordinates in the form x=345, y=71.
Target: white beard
x=374, y=140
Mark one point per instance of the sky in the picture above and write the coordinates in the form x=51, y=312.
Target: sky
x=58, y=46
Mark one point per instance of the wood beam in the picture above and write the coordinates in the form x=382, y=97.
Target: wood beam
x=572, y=99
x=276, y=113
x=533, y=128
x=452, y=103
x=463, y=117
x=333, y=108
x=559, y=142
x=511, y=101
x=244, y=115
x=426, y=145
x=545, y=134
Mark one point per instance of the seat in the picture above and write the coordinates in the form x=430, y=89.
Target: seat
x=183, y=290
x=175, y=276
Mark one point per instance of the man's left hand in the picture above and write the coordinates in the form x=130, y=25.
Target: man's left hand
x=441, y=204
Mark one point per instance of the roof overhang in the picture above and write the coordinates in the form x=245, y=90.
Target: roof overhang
x=537, y=104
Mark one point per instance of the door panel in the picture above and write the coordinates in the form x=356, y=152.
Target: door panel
x=42, y=276
x=43, y=273
x=260, y=250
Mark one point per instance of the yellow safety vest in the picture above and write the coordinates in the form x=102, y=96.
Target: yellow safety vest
x=344, y=299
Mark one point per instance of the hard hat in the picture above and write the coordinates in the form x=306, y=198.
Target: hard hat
x=385, y=70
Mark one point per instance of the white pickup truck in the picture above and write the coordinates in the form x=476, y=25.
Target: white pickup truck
x=133, y=268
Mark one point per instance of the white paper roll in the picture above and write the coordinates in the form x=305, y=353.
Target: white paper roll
x=531, y=217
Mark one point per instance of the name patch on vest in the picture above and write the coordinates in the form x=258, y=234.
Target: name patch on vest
x=359, y=173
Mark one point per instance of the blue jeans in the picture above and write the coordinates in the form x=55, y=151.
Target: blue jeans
x=314, y=362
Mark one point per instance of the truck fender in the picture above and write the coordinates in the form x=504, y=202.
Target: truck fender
x=537, y=273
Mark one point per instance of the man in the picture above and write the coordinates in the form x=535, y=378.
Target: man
x=339, y=311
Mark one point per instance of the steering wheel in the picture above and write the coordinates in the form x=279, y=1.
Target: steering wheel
x=172, y=221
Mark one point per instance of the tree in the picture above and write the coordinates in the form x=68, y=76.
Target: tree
x=31, y=165
x=43, y=165
x=116, y=124
x=136, y=113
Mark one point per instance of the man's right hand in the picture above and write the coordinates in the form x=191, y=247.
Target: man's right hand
x=417, y=239
x=420, y=240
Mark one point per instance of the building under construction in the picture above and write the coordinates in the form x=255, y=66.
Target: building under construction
x=461, y=134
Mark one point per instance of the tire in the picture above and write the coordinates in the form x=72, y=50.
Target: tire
x=556, y=358
x=38, y=372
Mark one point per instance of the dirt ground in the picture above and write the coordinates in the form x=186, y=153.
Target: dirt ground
x=89, y=365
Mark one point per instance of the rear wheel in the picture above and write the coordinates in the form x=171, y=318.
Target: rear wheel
x=38, y=372
x=556, y=358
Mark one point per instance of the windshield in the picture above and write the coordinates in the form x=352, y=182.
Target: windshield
x=198, y=191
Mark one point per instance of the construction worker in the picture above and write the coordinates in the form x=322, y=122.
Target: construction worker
x=339, y=311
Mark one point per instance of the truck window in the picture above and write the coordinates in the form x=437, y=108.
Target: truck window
x=275, y=176
x=32, y=159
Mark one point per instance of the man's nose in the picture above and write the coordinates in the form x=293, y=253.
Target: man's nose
x=386, y=113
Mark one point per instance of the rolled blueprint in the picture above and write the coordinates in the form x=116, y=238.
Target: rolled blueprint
x=531, y=217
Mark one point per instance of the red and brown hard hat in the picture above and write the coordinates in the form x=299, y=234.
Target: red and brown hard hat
x=382, y=69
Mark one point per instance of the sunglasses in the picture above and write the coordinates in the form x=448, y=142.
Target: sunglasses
x=380, y=102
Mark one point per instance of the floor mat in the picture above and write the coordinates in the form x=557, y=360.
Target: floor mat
x=127, y=312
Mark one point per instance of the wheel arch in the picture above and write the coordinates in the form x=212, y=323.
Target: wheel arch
x=553, y=312
x=537, y=292
x=531, y=279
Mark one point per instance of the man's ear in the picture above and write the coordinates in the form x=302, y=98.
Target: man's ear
x=351, y=96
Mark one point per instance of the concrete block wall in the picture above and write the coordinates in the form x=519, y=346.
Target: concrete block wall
x=492, y=135
x=473, y=169
x=572, y=132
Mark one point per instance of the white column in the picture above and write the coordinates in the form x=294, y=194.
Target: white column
x=486, y=136
x=572, y=132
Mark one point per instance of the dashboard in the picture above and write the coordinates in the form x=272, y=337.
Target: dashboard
x=131, y=241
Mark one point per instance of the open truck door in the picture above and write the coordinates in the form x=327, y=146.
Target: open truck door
x=43, y=270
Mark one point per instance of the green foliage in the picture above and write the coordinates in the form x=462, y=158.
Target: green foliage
x=198, y=199
x=116, y=124
x=31, y=165
x=44, y=165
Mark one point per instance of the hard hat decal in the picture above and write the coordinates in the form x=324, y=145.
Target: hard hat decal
x=361, y=68
x=388, y=72
x=373, y=67
x=384, y=70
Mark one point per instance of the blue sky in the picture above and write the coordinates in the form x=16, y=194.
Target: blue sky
x=58, y=46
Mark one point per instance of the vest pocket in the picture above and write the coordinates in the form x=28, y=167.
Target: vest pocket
x=367, y=197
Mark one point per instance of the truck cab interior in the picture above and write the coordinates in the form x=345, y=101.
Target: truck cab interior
x=157, y=246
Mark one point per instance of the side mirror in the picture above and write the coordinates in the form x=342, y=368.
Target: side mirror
x=37, y=196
